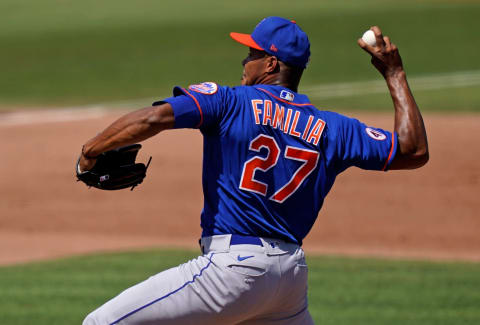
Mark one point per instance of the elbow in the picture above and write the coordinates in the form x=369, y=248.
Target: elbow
x=422, y=158
x=410, y=159
x=413, y=152
x=419, y=158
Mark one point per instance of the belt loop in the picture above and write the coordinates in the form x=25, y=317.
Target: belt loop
x=277, y=246
x=202, y=249
x=217, y=243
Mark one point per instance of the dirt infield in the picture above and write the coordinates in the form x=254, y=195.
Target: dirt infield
x=428, y=213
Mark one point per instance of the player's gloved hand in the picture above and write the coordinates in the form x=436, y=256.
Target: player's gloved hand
x=385, y=56
x=113, y=170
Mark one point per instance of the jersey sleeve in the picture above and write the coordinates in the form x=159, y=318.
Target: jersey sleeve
x=362, y=146
x=198, y=106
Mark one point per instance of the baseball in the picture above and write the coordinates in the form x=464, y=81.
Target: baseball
x=369, y=38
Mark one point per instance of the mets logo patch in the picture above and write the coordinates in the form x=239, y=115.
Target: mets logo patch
x=207, y=88
x=374, y=134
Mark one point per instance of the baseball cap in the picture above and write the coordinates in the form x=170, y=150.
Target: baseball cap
x=280, y=37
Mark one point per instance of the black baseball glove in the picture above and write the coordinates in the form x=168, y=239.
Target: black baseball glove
x=115, y=169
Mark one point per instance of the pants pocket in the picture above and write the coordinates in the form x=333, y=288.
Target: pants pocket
x=247, y=270
x=243, y=263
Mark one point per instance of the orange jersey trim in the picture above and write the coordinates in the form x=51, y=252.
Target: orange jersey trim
x=391, y=152
x=198, y=106
x=282, y=100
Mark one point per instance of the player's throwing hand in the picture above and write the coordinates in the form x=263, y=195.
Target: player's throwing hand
x=385, y=56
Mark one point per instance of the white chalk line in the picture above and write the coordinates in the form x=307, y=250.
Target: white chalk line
x=427, y=82
x=51, y=116
x=68, y=114
x=321, y=91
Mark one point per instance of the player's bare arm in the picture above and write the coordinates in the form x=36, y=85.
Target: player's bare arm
x=412, y=138
x=128, y=129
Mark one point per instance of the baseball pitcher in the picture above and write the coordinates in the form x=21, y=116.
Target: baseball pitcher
x=269, y=160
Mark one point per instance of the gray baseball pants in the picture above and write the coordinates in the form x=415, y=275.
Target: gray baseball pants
x=231, y=283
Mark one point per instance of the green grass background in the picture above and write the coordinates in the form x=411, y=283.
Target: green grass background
x=341, y=290
x=66, y=52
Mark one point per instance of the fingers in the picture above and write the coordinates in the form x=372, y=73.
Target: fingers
x=389, y=46
x=384, y=45
x=85, y=164
x=385, y=56
x=386, y=40
x=380, y=41
x=394, y=48
x=367, y=48
x=378, y=36
x=383, y=42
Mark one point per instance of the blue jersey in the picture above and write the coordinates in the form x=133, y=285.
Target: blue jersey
x=270, y=157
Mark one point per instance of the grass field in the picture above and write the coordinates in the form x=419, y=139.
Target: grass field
x=341, y=290
x=74, y=53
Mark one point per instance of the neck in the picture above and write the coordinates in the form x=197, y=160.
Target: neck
x=284, y=76
x=278, y=80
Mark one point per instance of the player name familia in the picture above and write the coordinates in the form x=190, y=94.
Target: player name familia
x=275, y=115
x=280, y=119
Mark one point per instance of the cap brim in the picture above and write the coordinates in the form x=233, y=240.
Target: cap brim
x=246, y=39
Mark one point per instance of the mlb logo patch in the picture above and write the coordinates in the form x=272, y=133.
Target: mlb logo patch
x=207, y=88
x=287, y=95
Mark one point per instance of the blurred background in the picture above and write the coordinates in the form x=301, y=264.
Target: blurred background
x=69, y=68
x=61, y=52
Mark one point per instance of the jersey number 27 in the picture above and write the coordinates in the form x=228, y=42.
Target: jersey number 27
x=248, y=182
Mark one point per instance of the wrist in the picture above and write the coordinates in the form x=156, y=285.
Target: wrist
x=398, y=73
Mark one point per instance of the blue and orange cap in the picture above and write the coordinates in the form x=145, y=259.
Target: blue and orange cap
x=280, y=37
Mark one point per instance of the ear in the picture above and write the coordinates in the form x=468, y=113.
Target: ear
x=271, y=64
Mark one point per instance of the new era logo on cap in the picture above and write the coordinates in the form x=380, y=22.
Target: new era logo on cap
x=280, y=37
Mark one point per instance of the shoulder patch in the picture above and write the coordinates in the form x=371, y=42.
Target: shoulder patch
x=376, y=135
x=207, y=88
